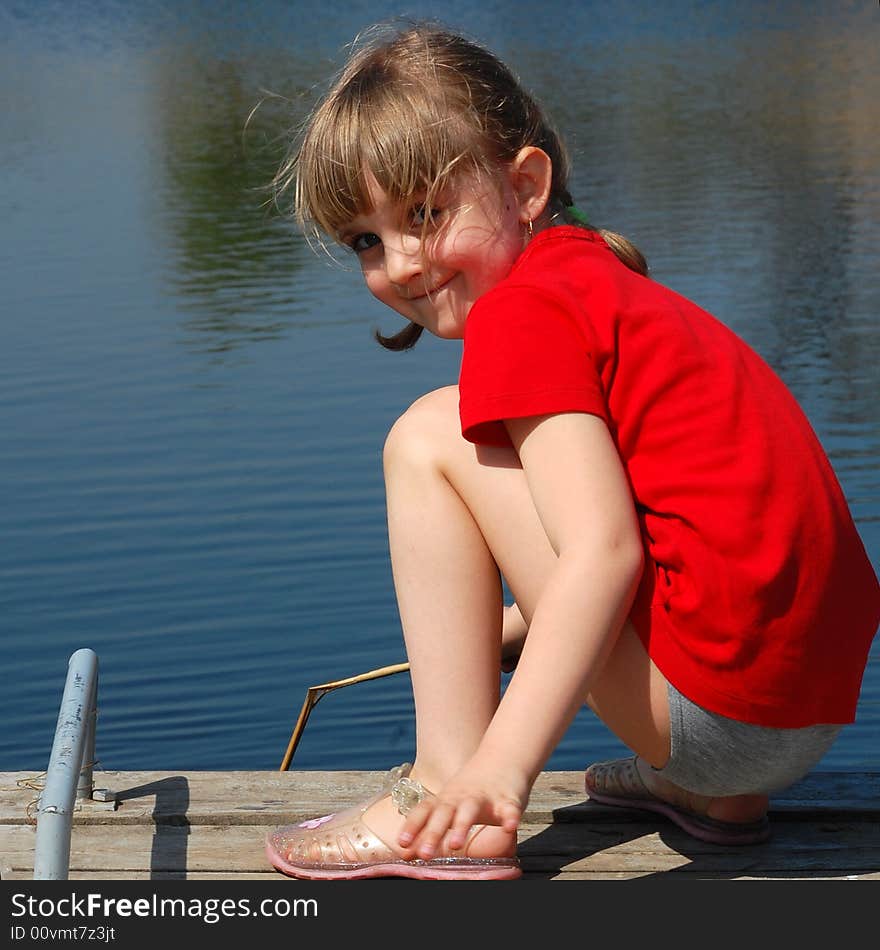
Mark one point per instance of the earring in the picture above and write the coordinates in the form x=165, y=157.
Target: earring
x=529, y=228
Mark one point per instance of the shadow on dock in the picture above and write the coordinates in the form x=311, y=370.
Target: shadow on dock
x=169, y=852
x=637, y=844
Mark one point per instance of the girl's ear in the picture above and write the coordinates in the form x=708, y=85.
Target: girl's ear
x=531, y=176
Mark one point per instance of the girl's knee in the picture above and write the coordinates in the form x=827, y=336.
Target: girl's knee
x=420, y=434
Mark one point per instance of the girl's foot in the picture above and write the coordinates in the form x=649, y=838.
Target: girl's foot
x=631, y=783
x=361, y=842
x=485, y=841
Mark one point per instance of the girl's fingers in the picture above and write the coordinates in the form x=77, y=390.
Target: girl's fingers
x=510, y=815
x=427, y=825
x=430, y=822
x=465, y=818
x=413, y=824
x=434, y=829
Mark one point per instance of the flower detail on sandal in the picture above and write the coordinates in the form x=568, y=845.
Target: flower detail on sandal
x=315, y=822
x=398, y=772
x=406, y=793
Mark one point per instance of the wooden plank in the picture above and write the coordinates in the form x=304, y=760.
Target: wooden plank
x=273, y=798
x=204, y=797
x=212, y=826
x=802, y=842
x=851, y=847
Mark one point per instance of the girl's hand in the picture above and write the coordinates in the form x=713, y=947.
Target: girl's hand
x=476, y=795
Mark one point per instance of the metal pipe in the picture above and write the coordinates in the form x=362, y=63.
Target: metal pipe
x=85, y=784
x=69, y=775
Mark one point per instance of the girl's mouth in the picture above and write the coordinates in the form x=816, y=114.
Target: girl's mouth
x=429, y=292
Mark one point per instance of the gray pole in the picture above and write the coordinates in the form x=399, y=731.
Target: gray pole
x=69, y=775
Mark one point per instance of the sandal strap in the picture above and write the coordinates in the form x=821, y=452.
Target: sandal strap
x=618, y=777
x=407, y=793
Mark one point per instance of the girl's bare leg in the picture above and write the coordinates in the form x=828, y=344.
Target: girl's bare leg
x=449, y=596
x=456, y=515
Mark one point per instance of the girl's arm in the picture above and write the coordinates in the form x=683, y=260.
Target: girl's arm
x=582, y=497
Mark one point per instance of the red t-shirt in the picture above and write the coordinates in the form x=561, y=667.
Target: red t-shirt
x=758, y=600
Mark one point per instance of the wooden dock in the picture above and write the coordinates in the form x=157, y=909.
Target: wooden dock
x=212, y=825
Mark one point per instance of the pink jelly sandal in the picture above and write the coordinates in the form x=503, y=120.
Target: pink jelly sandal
x=342, y=847
x=618, y=782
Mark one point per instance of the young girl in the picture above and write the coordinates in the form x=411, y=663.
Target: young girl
x=680, y=552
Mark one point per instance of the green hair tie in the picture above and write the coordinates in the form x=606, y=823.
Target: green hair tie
x=578, y=215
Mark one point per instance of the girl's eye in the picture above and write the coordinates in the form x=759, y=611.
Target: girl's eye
x=363, y=242
x=420, y=216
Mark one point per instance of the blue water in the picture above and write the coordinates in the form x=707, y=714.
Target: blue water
x=191, y=405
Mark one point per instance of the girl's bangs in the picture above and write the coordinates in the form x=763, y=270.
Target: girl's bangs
x=410, y=148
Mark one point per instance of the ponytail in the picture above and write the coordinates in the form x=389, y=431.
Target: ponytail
x=626, y=251
x=405, y=339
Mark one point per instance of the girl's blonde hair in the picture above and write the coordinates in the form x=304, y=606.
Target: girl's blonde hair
x=416, y=108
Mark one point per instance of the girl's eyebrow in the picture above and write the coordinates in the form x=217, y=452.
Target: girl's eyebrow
x=351, y=228
x=347, y=231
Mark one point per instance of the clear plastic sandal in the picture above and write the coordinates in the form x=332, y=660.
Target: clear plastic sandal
x=342, y=846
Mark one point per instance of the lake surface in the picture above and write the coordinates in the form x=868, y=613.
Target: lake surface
x=192, y=406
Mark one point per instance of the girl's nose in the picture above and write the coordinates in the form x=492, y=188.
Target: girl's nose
x=403, y=261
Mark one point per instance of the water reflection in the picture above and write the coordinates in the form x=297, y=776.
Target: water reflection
x=193, y=408
x=745, y=166
x=234, y=263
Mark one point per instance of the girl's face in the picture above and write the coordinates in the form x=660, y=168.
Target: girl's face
x=471, y=242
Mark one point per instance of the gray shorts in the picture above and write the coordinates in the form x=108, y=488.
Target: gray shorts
x=714, y=755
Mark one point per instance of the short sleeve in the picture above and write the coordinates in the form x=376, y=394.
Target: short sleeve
x=524, y=355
